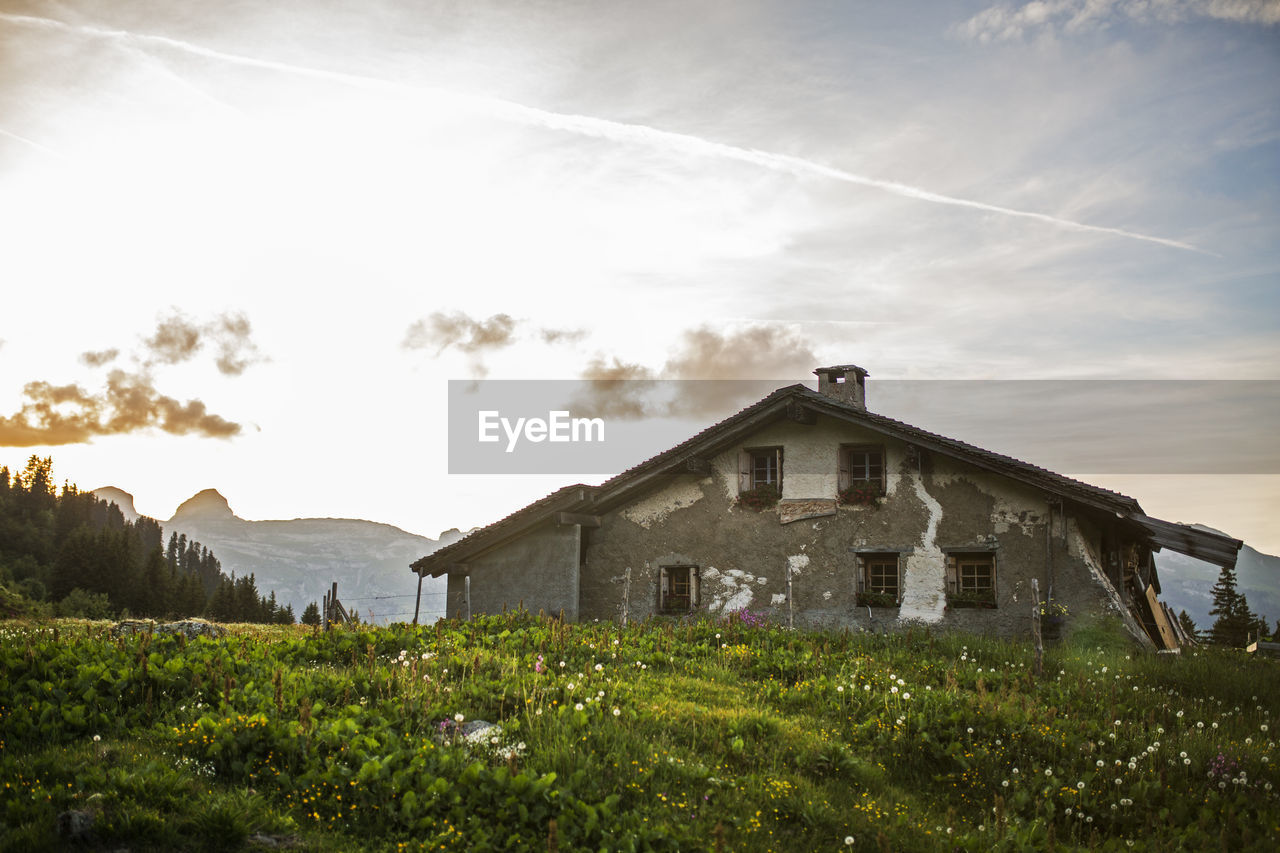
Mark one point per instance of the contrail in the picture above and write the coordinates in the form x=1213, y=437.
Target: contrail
x=36, y=145
x=597, y=128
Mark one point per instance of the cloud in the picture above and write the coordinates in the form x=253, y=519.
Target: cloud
x=100, y=357
x=67, y=414
x=557, y=336
x=717, y=372
x=458, y=330
x=1006, y=23
x=174, y=341
x=177, y=339
x=129, y=401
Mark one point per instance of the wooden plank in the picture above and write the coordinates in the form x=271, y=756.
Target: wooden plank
x=1167, y=638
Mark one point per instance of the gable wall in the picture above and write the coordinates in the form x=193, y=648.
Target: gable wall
x=538, y=570
x=930, y=505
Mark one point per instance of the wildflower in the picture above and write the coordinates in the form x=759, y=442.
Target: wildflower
x=599, y=667
x=97, y=738
x=840, y=689
x=1079, y=786
x=1048, y=771
x=616, y=712
x=457, y=718
x=848, y=841
x=1100, y=762
x=577, y=707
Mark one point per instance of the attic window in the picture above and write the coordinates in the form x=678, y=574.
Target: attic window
x=678, y=589
x=861, y=468
x=760, y=466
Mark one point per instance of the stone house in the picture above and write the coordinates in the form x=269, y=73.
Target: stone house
x=810, y=507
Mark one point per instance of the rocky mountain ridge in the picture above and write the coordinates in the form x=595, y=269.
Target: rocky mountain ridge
x=300, y=558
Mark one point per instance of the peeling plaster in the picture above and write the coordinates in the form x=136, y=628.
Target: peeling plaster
x=734, y=592
x=826, y=596
x=924, y=580
x=657, y=507
x=779, y=598
x=1011, y=507
x=797, y=562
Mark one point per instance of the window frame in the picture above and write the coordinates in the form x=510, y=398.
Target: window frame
x=672, y=603
x=747, y=467
x=868, y=593
x=966, y=588
x=845, y=468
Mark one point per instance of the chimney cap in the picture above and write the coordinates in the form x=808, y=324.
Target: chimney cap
x=842, y=369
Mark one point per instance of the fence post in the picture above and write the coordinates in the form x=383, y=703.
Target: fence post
x=466, y=586
x=626, y=596
x=418, y=602
x=1035, y=626
x=791, y=610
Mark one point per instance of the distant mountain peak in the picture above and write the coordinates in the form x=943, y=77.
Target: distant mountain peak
x=120, y=498
x=207, y=505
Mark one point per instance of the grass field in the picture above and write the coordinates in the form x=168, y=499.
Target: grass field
x=664, y=736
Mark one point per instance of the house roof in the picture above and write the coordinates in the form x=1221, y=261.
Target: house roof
x=798, y=402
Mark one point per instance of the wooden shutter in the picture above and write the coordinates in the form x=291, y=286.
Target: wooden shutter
x=844, y=478
x=779, y=460
x=695, y=587
x=744, y=471
x=953, y=580
x=664, y=586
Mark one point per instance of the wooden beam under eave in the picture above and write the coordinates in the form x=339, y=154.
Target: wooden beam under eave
x=801, y=414
x=697, y=465
x=577, y=518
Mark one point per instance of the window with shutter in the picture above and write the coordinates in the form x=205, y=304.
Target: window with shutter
x=679, y=589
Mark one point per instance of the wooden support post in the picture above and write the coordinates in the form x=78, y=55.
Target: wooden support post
x=466, y=587
x=324, y=613
x=1035, y=626
x=418, y=602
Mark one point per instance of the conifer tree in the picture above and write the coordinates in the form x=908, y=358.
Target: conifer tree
x=1233, y=619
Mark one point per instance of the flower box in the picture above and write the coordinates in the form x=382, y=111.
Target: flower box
x=985, y=598
x=861, y=494
x=877, y=599
x=762, y=497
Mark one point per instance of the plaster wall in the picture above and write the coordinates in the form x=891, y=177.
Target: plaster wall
x=538, y=569
x=933, y=504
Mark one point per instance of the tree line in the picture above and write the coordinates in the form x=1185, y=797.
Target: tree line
x=80, y=554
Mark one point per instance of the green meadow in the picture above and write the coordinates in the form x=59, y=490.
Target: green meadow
x=711, y=735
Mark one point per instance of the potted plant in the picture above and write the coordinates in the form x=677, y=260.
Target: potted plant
x=763, y=496
x=1053, y=617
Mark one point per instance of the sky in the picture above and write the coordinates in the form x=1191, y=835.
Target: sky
x=245, y=246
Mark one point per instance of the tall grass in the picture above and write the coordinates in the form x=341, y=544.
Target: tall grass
x=666, y=735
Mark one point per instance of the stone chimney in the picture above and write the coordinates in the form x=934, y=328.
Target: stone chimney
x=844, y=382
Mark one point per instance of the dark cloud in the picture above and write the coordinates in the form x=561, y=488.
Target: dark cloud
x=441, y=331
x=67, y=414
x=99, y=358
